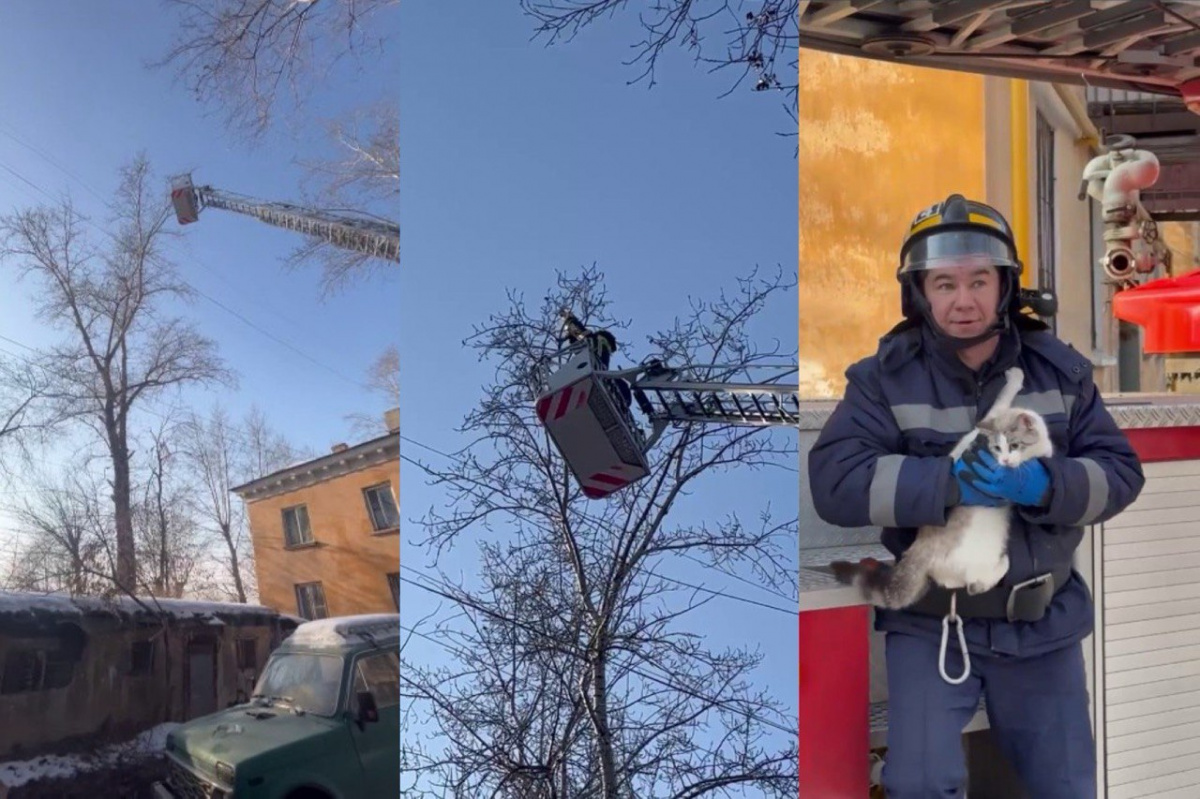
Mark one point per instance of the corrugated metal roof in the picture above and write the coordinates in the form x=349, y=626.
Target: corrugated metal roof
x=1135, y=45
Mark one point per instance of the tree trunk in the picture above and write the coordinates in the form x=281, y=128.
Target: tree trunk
x=165, y=588
x=126, y=568
x=608, y=768
x=234, y=566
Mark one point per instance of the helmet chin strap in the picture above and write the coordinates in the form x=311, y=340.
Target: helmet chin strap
x=954, y=343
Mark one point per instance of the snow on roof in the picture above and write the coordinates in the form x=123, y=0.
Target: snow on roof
x=64, y=605
x=341, y=630
x=19, y=772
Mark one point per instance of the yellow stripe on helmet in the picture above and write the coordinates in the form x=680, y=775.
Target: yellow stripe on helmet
x=934, y=219
x=928, y=221
x=984, y=220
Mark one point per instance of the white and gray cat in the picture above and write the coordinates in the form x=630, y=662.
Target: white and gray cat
x=970, y=551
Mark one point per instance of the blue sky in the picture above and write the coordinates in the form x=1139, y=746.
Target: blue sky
x=77, y=100
x=74, y=84
x=518, y=160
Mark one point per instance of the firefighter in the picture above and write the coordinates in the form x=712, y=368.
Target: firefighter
x=883, y=460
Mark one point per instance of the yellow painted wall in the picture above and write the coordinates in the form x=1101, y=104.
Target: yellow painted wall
x=350, y=560
x=877, y=142
x=1183, y=238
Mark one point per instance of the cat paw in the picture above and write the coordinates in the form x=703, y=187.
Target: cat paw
x=1015, y=376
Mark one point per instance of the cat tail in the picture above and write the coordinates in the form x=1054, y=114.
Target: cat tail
x=885, y=585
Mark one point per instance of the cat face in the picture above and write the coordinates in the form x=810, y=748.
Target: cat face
x=1016, y=436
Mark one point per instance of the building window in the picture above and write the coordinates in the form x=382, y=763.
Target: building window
x=382, y=507
x=35, y=670
x=296, y=529
x=310, y=601
x=141, y=658
x=394, y=584
x=1045, y=208
x=247, y=653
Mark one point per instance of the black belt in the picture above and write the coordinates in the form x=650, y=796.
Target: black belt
x=1026, y=601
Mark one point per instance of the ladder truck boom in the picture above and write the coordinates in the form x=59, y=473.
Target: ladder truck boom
x=587, y=408
x=743, y=404
x=359, y=233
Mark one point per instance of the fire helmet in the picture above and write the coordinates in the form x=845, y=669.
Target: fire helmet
x=953, y=233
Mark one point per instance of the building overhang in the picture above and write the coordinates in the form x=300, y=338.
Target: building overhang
x=1138, y=45
x=1133, y=56
x=320, y=470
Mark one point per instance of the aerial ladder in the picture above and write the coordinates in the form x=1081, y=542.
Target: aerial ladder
x=588, y=408
x=361, y=233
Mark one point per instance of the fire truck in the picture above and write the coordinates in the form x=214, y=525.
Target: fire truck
x=1139, y=62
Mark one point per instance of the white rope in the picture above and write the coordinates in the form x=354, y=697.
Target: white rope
x=962, y=643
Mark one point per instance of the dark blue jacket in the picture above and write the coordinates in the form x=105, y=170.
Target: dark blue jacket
x=882, y=460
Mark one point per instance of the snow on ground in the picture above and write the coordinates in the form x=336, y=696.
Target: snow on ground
x=19, y=772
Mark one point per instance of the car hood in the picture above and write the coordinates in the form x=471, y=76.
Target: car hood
x=243, y=732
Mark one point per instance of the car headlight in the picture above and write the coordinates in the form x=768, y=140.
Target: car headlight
x=225, y=773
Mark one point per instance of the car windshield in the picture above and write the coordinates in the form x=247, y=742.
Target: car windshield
x=311, y=683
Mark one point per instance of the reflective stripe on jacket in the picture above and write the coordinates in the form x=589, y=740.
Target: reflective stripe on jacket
x=882, y=458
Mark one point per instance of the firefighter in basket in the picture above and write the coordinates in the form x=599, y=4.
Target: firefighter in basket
x=602, y=345
x=883, y=459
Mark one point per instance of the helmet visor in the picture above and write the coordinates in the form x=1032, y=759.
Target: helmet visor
x=956, y=248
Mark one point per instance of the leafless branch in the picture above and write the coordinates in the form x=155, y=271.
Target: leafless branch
x=248, y=57
x=573, y=670
x=119, y=349
x=757, y=41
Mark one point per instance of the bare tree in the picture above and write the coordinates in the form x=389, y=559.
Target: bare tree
x=383, y=380
x=574, y=672
x=209, y=445
x=121, y=348
x=265, y=450
x=222, y=454
x=758, y=41
x=367, y=165
x=63, y=526
x=170, y=544
x=365, y=171
x=248, y=57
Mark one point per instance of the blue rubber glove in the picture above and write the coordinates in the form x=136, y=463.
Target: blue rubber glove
x=1027, y=484
x=968, y=493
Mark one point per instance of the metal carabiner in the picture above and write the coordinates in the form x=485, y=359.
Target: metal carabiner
x=962, y=643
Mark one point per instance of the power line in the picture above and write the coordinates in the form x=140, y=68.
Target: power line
x=725, y=595
x=46, y=157
x=241, y=317
x=571, y=650
x=702, y=564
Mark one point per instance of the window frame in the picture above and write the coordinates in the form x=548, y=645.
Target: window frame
x=385, y=487
x=300, y=609
x=302, y=530
x=393, y=579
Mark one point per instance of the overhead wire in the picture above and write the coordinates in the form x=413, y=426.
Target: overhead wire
x=666, y=683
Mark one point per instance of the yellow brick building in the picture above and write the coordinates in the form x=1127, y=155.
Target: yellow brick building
x=326, y=531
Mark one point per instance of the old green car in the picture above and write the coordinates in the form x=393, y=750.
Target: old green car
x=324, y=722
